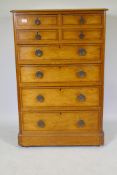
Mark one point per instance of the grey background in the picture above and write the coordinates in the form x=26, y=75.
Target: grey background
x=59, y=160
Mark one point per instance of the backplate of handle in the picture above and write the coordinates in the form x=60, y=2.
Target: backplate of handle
x=37, y=21
x=38, y=53
x=40, y=98
x=80, y=123
x=81, y=35
x=39, y=74
x=82, y=20
x=41, y=124
x=38, y=36
x=81, y=97
x=81, y=74
x=82, y=52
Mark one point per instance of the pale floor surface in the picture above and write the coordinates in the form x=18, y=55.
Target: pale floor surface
x=16, y=160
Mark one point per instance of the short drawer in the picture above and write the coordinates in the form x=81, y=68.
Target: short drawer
x=61, y=74
x=37, y=36
x=36, y=21
x=90, y=20
x=60, y=97
x=61, y=121
x=82, y=36
x=65, y=52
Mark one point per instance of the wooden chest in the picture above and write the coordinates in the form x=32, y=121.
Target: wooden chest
x=60, y=76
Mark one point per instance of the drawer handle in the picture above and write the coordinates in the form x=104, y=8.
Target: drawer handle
x=81, y=98
x=81, y=35
x=82, y=20
x=38, y=53
x=39, y=74
x=37, y=36
x=37, y=22
x=40, y=98
x=82, y=52
x=41, y=123
x=81, y=74
x=80, y=123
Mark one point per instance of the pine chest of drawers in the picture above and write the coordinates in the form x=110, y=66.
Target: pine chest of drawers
x=60, y=68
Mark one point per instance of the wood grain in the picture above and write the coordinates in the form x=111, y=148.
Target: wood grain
x=63, y=35
x=25, y=36
x=90, y=36
x=93, y=139
x=28, y=21
x=62, y=121
x=71, y=73
x=72, y=19
x=64, y=52
x=60, y=97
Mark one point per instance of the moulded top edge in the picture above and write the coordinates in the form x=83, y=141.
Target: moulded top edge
x=59, y=10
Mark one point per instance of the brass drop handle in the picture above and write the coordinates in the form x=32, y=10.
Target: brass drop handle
x=40, y=98
x=81, y=74
x=38, y=53
x=37, y=22
x=82, y=52
x=81, y=35
x=80, y=123
x=82, y=20
x=39, y=74
x=38, y=36
x=81, y=98
x=41, y=124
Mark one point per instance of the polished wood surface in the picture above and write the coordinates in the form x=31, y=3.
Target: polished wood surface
x=93, y=139
x=60, y=76
x=89, y=36
x=56, y=11
x=79, y=73
x=61, y=97
x=29, y=21
x=93, y=19
x=62, y=121
x=26, y=36
x=56, y=52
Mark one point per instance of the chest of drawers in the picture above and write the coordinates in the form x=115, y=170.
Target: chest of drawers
x=60, y=76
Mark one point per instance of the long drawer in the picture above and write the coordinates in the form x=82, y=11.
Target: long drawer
x=65, y=73
x=60, y=97
x=61, y=121
x=64, y=52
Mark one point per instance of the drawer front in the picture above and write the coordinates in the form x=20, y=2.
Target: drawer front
x=67, y=52
x=60, y=97
x=62, y=121
x=36, y=36
x=79, y=73
x=82, y=19
x=80, y=36
x=36, y=21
